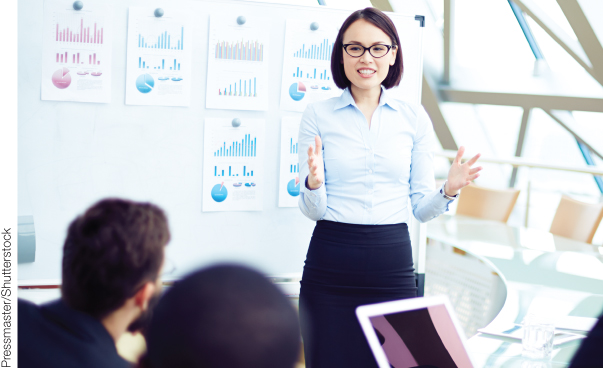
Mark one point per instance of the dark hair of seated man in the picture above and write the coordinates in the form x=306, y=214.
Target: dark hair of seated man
x=110, y=253
x=112, y=257
x=224, y=316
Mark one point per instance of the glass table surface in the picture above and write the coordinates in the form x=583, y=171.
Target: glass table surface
x=544, y=274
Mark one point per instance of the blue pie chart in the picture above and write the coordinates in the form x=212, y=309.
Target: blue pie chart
x=297, y=91
x=293, y=188
x=219, y=193
x=145, y=83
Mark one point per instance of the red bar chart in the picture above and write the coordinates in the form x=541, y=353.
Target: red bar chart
x=77, y=48
x=82, y=33
x=63, y=58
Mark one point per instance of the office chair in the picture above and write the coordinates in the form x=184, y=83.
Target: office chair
x=490, y=204
x=577, y=220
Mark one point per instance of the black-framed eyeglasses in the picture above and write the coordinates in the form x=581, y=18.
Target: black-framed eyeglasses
x=376, y=51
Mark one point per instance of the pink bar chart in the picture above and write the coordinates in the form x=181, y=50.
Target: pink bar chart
x=63, y=58
x=79, y=34
x=248, y=51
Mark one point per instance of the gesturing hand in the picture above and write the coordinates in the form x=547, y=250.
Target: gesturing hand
x=316, y=165
x=460, y=175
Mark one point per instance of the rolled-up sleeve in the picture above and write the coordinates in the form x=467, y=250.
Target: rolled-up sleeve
x=426, y=202
x=312, y=203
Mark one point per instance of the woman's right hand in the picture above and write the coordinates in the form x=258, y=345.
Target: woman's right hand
x=316, y=165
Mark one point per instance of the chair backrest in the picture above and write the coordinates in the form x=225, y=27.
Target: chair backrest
x=490, y=204
x=577, y=220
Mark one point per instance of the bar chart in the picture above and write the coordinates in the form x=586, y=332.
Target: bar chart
x=306, y=73
x=76, y=58
x=81, y=42
x=164, y=40
x=159, y=65
x=233, y=171
x=245, y=51
x=293, y=147
x=320, y=51
x=156, y=48
x=234, y=157
x=314, y=73
x=78, y=33
x=244, y=89
x=246, y=147
x=288, y=187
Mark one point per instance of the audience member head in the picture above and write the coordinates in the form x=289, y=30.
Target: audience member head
x=113, y=253
x=223, y=316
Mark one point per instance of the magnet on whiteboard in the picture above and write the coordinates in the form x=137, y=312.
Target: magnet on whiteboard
x=314, y=26
x=236, y=122
x=159, y=12
x=241, y=20
x=78, y=5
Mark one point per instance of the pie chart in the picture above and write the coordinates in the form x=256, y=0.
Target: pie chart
x=61, y=78
x=145, y=83
x=293, y=187
x=219, y=193
x=297, y=91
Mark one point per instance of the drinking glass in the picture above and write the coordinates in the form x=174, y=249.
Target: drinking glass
x=538, y=334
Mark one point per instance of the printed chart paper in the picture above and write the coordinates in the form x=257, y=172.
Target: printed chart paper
x=76, y=54
x=237, y=65
x=289, y=182
x=159, y=57
x=307, y=65
x=233, y=174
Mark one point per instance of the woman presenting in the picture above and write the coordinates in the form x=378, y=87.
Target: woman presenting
x=368, y=153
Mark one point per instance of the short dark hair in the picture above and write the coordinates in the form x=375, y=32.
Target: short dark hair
x=110, y=252
x=380, y=20
x=225, y=316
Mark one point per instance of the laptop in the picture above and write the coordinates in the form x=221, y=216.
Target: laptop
x=417, y=332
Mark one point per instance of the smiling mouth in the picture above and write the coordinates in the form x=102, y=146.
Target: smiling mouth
x=366, y=72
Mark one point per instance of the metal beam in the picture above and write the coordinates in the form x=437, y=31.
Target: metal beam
x=545, y=102
x=430, y=101
x=565, y=119
x=521, y=19
x=589, y=161
x=520, y=139
x=382, y=5
x=570, y=45
x=521, y=162
x=586, y=35
x=448, y=38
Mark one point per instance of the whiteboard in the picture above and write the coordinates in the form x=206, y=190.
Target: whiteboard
x=73, y=154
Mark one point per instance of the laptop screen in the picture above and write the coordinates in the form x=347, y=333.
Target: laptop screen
x=424, y=337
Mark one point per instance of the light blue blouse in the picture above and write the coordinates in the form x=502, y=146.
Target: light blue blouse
x=370, y=173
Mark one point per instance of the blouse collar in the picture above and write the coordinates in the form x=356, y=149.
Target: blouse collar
x=346, y=99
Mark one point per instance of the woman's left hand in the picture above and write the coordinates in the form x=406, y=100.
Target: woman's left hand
x=461, y=175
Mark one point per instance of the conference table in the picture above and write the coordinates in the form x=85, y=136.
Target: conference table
x=543, y=274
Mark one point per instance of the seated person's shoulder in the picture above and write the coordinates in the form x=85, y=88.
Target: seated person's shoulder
x=54, y=335
x=28, y=311
x=589, y=354
x=26, y=306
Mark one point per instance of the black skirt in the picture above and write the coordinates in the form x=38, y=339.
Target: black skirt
x=349, y=265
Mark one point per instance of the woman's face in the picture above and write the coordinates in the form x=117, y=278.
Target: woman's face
x=367, y=72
